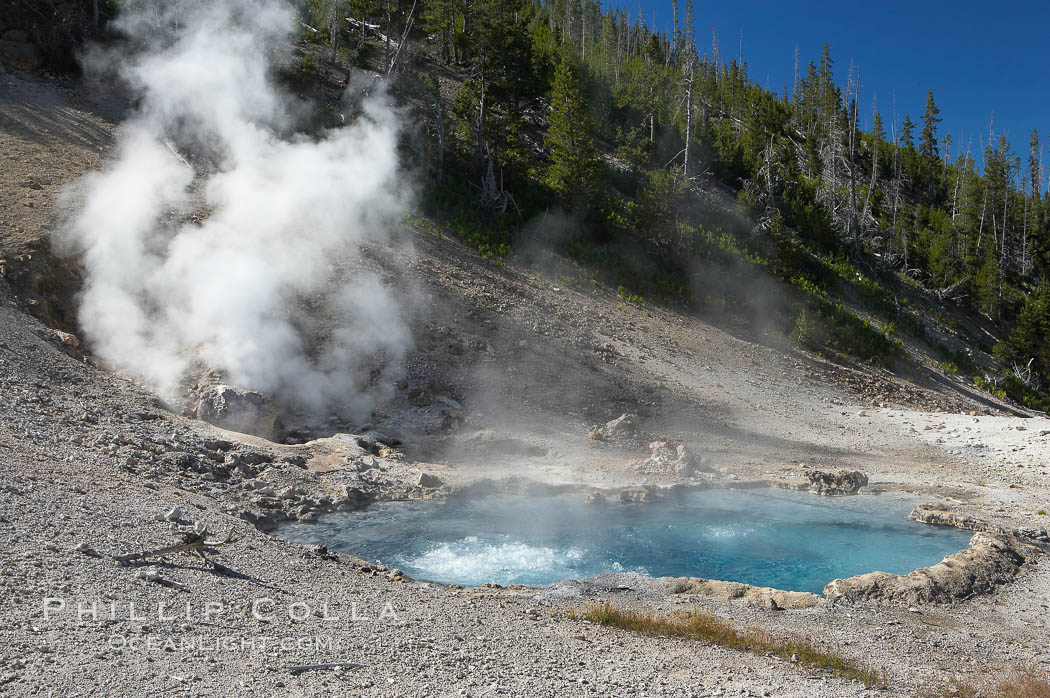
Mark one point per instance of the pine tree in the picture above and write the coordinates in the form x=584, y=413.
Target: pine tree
x=928, y=137
x=573, y=171
x=907, y=129
x=439, y=20
x=878, y=132
x=1035, y=172
x=829, y=96
x=1028, y=347
x=1031, y=202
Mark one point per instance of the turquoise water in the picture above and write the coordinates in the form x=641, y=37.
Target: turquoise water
x=766, y=537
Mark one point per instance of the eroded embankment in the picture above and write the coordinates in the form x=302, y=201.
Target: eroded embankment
x=994, y=557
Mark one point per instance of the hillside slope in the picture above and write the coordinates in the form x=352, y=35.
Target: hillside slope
x=90, y=458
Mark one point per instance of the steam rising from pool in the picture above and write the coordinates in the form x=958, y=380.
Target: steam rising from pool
x=223, y=210
x=787, y=540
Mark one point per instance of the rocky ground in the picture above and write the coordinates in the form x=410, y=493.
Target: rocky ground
x=513, y=371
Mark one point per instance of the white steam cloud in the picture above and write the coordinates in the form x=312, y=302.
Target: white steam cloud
x=165, y=293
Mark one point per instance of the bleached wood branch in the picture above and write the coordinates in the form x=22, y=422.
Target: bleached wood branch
x=195, y=543
x=330, y=665
x=154, y=576
x=404, y=38
x=374, y=28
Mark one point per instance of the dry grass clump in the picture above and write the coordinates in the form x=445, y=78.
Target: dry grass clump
x=1019, y=684
x=702, y=626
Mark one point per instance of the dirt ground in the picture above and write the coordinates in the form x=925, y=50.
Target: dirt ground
x=90, y=463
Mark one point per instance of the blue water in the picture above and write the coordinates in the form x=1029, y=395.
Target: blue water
x=766, y=537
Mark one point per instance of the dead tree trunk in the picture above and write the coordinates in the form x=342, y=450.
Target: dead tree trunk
x=853, y=233
x=689, y=116
x=441, y=136
x=386, y=51
x=865, y=212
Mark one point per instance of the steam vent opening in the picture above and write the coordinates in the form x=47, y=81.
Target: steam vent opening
x=764, y=537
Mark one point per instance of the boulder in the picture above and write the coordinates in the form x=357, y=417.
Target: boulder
x=623, y=427
x=668, y=458
x=596, y=497
x=15, y=35
x=639, y=494
x=263, y=522
x=355, y=499
x=429, y=481
x=837, y=482
x=244, y=411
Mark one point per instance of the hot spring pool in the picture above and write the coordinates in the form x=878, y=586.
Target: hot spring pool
x=766, y=537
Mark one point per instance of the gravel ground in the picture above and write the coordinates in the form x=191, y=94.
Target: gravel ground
x=90, y=464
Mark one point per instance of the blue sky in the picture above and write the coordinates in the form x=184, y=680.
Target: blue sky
x=979, y=58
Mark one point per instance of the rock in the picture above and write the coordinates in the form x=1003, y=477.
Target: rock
x=429, y=481
x=355, y=499
x=21, y=54
x=15, y=35
x=174, y=515
x=835, y=483
x=761, y=597
x=369, y=444
x=623, y=427
x=263, y=522
x=86, y=549
x=639, y=494
x=487, y=441
x=941, y=516
x=668, y=458
x=596, y=498
x=244, y=411
x=366, y=463
x=1038, y=534
x=991, y=560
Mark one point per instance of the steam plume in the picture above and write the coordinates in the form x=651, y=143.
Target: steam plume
x=162, y=293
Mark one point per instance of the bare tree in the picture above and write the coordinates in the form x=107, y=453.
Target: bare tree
x=852, y=229
x=866, y=211
x=689, y=114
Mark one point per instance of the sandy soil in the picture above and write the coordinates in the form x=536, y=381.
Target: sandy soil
x=88, y=460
